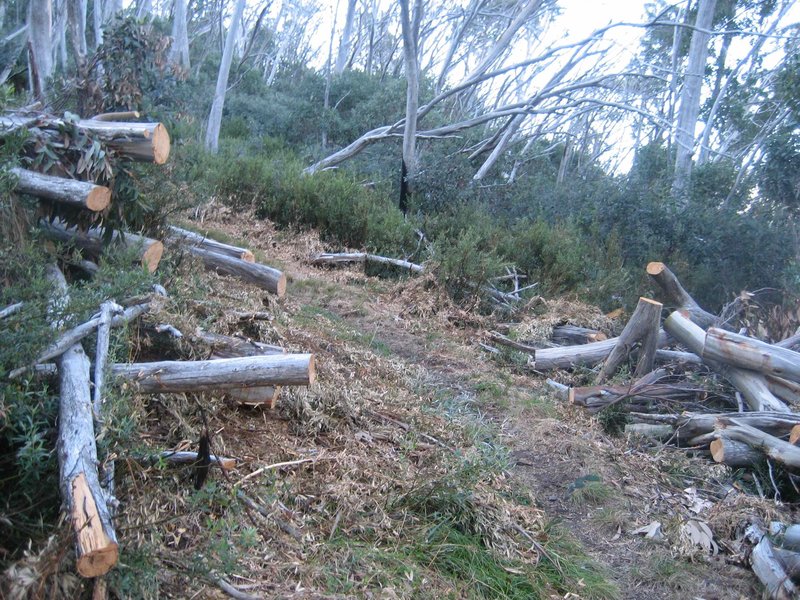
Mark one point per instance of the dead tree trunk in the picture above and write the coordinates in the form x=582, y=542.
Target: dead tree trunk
x=95, y=539
x=68, y=191
x=749, y=353
x=223, y=374
x=643, y=327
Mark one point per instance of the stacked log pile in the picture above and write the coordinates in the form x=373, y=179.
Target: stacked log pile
x=752, y=425
x=249, y=372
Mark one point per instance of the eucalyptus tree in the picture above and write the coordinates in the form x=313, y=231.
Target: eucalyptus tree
x=40, y=26
x=179, y=53
x=215, y=115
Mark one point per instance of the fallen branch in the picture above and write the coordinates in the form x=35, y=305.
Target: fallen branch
x=363, y=257
x=749, y=353
x=185, y=457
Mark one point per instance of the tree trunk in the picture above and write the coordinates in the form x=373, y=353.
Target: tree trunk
x=362, y=257
x=643, y=327
x=568, y=357
x=184, y=236
x=147, y=142
x=749, y=353
x=148, y=251
x=97, y=22
x=572, y=334
x=40, y=24
x=753, y=386
x=693, y=425
x=767, y=567
x=347, y=34
x=95, y=540
x=68, y=191
x=736, y=455
x=215, y=116
x=783, y=452
x=690, y=100
x=267, y=278
x=222, y=374
x=410, y=29
x=179, y=53
x=677, y=297
x=77, y=31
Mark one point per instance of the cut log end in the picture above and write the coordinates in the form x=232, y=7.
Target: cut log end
x=97, y=552
x=717, y=448
x=794, y=435
x=312, y=370
x=248, y=256
x=655, y=268
x=161, y=144
x=152, y=256
x=651, y=301
x=98, y=199
x=281, y=290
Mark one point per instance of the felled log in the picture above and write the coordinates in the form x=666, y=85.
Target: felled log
x=767, y=567
x=749, y=353
x=775, y=448
x=116, y=116
x=95, y=539
x=267, y=278
x=222, y=374
x=655, y=432
x=327, y=258
x=225, y=346
x=148, y=251
x=792, y=342
x=790, y=561
x=146, y=142
x=573, y=335
x=788, y=391
x=689, y=426
x=66, y=191
x=676, y=356
x=678, y=297
x=753, y=386
x=736, y=455
x=184, y=236
x=642, y=328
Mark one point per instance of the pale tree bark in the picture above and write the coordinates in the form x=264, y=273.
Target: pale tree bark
x=40, y=23
x=179, y=54
x=77, y=31
x=215, y=116
x=97, y=23
x=690, y=100
x=410, y=26
x=455, y=40
x=347, y=35
x=59, y=34
x=144, y=8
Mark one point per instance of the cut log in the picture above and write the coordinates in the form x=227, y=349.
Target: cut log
x=147, y=142
x=736, y=455
x=678, y=297
x=642, y=328
x=775, y=448
x=363, y=257
x=226, y=346
x=148, y=251
x=753, y=386
x=693, y=425
x=790, y=561
x=574, y=335
x=676, y=356
x=184, y=236
x=792, y=343
x=790, y=538
x=11, y=309
x=749, y=353
x=267, y=278
x=794, y=435
x=568, y=357
x=788, y=391
x=117, y=116
x=222, y=374
x=263, y=395
x=655, y=432
x=67, y=191
x=95, y=539
x=767, y=567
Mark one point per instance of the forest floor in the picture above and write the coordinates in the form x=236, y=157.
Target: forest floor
x=429, y=463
